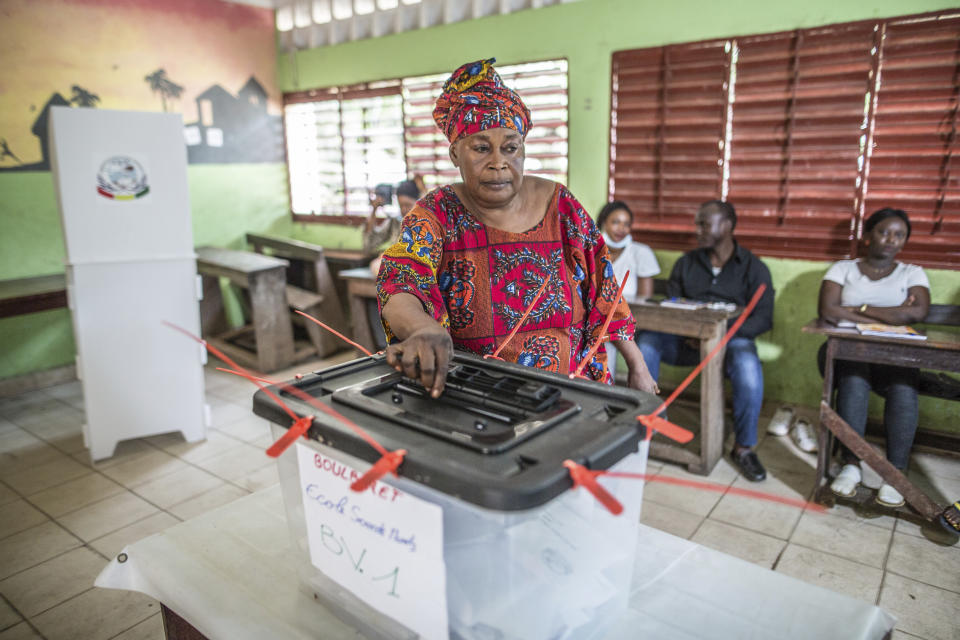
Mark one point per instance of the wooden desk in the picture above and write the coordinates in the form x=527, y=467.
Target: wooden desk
x=341, y=260
x=361, y=286
x=266, y=280
x=707, y=325
x=941, y=351
x=347, y=258
x=29, y=295
x=309, y=270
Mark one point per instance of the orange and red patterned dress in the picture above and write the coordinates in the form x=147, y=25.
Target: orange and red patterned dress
x=477, y=281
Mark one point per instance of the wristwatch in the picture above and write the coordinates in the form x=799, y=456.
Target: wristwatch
x=863, y=308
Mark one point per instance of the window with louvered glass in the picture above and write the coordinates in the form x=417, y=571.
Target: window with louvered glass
x=372, y=148
x=543, y=87
x=343, y=141
x=315, y=149
x=426, y=146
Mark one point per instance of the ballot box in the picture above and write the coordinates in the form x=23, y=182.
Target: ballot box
x=481, y=534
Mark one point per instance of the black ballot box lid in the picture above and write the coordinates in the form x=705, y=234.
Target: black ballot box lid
x=496, y=437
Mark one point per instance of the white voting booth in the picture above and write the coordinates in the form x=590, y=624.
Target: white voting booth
x=121, y=183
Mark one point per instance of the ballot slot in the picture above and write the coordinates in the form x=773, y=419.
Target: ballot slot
x=326, y=381
x=484, y=411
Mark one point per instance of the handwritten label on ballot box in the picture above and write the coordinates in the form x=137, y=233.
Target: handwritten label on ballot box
x=384, y=545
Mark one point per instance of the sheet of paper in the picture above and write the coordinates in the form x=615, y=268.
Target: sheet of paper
x=682, y=303
x=384, y=545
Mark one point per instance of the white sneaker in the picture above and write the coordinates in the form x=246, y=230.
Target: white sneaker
x=889, y=497
x=845, y=484
x=780, y=422
x=804, y=435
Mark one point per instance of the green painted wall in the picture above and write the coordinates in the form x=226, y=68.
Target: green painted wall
x=35, y=342
x=31, y=244
x=226, y=201
x=31, y=238
x=586, y=33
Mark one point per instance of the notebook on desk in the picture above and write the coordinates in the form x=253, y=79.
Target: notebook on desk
x=686, y=303
x=682, y=303
x=889, y=331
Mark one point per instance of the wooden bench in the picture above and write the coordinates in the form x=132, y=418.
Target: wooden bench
x=310, y=288
x=20, y=296
x=265, y=279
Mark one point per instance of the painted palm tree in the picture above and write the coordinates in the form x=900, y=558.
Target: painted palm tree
x=83, y=98
x=167, y=88
x=5, y=151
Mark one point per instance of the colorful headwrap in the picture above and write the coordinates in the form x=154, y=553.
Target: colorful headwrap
x=474, y=99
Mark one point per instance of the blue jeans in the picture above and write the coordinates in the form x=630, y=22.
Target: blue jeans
x=741, y=364
x=901, y=408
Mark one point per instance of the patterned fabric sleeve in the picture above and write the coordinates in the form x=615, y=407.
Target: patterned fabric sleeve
x=600, y=285
x=410, y=266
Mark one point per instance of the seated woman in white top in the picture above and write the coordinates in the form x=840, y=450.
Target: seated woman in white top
x=614, y=222
x=876, y=288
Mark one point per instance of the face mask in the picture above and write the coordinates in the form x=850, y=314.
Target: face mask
x=616, y=245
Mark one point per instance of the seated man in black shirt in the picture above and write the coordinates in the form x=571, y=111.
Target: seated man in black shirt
x=722, y=271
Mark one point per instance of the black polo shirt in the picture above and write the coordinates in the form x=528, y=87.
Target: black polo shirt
x=692, y=277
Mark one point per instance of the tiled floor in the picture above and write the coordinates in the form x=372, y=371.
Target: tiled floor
x=61, y=517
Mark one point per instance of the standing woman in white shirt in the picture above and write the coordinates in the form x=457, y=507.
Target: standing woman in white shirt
x=614, y=222
x=876, y=288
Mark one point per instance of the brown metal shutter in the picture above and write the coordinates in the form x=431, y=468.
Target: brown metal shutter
x=666, y=137
x=796, y=136
x=911, y=165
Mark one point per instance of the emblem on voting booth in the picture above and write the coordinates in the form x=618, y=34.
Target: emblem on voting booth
x=122, y=178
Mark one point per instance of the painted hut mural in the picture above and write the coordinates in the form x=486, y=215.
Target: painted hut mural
x=9, y=161
x=234, y=128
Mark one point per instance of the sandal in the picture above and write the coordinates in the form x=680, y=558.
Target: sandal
x=949, y=518
x=804, y=436
x=845, y=484
x=889, y=497
x=780, y=422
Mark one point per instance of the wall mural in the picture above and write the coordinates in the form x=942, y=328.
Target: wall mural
x=212, y=61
